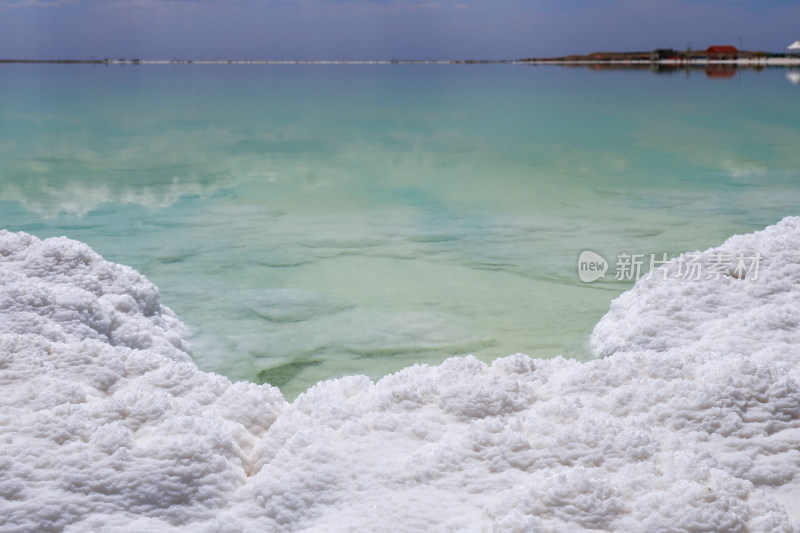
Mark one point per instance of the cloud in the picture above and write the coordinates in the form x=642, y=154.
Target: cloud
x=12, y=4
x=278, y=5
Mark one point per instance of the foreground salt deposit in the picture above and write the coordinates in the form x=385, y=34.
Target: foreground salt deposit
x=690, y=423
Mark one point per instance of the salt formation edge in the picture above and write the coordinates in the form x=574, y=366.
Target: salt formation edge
x=689, y=422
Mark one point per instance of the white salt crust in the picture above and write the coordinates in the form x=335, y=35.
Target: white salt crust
x=689, y=422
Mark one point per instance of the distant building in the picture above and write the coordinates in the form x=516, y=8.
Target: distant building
x=722, y=52
x=664, y=53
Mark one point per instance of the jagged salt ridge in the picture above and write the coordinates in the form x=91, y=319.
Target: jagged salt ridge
x=62, y=290
x=689, y=424
x=726, y=316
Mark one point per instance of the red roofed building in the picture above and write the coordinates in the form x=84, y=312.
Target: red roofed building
x=722, y=52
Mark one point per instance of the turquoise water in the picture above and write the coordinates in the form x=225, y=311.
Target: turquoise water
x=309, y=222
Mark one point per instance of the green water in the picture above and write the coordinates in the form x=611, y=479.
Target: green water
x=309, y=222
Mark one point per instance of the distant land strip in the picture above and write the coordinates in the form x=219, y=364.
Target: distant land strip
x=257, y=61
x=719, y=55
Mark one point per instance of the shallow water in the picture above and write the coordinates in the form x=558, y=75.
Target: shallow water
x=309, y=222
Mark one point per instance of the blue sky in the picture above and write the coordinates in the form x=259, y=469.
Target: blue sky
x=371, y=29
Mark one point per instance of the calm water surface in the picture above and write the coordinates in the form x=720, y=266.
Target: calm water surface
x=309, y=222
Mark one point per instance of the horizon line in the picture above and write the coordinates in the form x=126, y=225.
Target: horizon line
x=774, y=60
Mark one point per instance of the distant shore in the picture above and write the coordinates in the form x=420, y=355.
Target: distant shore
x=784, y=61
x=258, y=61
x=748, y=62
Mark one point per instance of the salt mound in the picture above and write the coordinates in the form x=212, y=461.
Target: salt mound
x=726, y=316
x=62, y=290
x=689, y=423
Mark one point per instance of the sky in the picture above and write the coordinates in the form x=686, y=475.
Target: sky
x=384, y=29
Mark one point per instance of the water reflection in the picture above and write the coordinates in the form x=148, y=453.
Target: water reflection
x=309, y=222
x=714, y=70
